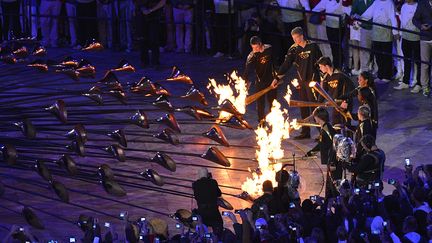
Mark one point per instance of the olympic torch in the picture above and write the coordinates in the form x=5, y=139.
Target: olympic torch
x=317, y=87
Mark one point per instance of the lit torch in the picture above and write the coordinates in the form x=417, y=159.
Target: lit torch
x=295, y=83
x=317, y=87
x=235, y=91
x=288, y=95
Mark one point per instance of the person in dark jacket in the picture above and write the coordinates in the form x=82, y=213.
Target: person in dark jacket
x=303, y=55
x=365, y=79
x=86, y=13
x=261, y=61
x=325, y=147
x=273, y=30
x=149, y=14
x=367, y=97
x=365, y=127
x=206, y=192
x=369, y=167
x=336, y=83
x=11, y=19
x=327, y=132
x=268, y=200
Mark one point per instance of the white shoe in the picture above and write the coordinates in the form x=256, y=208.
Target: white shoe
x=218, y=54
x=416, y=89
x=386, y=80
x=355, y=72
x=401, y=86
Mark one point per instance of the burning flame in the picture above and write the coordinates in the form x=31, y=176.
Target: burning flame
x=295, y=82
x=312, y=83
x=295, y=125
x=287, y=97
x=237, y=96
x=269, y=139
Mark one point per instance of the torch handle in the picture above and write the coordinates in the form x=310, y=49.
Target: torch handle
x=332, y=102
x=251, y=98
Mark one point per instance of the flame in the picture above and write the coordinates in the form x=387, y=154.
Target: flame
x=288, y=95
x=312, y=84
x=295, y=82
x=295, y=125
x=237, y=96
x=269, y=139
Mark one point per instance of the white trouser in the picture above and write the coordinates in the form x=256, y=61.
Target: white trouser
x=183, y=22
x=397, y=46
x=425, y=56
x=365, y=42
x=321, y=34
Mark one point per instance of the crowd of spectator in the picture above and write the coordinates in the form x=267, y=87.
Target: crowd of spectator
x=361, y=214
x=358, y=35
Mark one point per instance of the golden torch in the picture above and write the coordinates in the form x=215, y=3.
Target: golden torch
x=300, y=103
x=317, y=87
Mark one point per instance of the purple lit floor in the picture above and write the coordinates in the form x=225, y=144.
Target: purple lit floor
x=405, y=131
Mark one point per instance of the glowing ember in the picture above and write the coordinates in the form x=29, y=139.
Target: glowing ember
x=269, y=139
x=235, y=91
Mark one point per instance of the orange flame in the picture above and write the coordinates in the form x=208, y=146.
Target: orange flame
x=295, y=82
x=269, y=139
x=288, y=95
x=237, y=96
x=295, y=125
x=312, y=83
